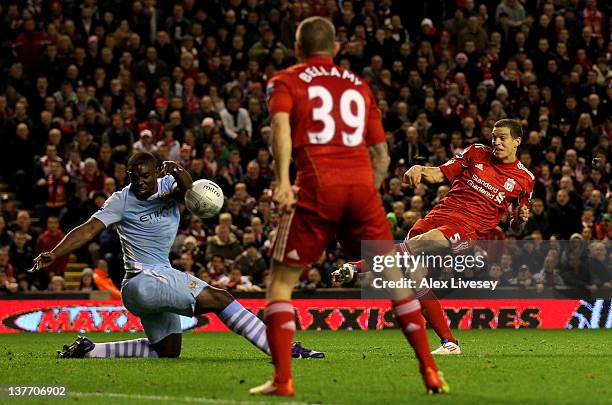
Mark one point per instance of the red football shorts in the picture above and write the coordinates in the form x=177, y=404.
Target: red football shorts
x=352, y=213
x=459, y=234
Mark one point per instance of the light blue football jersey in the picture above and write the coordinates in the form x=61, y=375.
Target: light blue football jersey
x=146, y=228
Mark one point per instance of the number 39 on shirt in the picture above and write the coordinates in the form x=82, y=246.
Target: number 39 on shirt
x=352, y=114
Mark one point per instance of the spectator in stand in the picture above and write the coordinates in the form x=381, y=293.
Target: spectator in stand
x=21, y=254
x=600, y=277
x=75, y=165
x=23, y=284
x=152, y=124
x=87, y=283
x=44, y=164
x=538, y=218
x=152, y=69
x=58, y=284
x=103, y=281
x=119, y=138
x=549, y=276
x=257, y=226
x=496, y=274
x=223, y=243
x=110, y=186
x=49, y=239
x=235, y=281
x=23, y=223
x=6, y=236
x=564, y=217
x=254, y=181
x=120, y=176
x=313, y=281
x=216, y=267
x=105, y=161
x=191, y=247
x=168, y=140
x=92, y=177
x=575, y=271
x=145, y=143
x=523, y=278
x=250, y=262
x=7, y=285
x=235, y=119
x=226, y=220
x=197, y=230
x=5, y=264
x=18, y=157
x=188, y=265
x=603, y=230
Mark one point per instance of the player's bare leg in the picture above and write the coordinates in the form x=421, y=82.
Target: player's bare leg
x=280, y=328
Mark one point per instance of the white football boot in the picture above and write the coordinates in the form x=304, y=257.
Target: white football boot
x=447, y=348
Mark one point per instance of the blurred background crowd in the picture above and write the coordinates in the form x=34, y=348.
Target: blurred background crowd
x=85, y=84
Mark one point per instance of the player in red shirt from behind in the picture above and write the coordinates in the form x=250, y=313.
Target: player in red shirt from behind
x=485, y=182
x=327, y=119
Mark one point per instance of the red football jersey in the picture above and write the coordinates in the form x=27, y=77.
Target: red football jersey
x=333, y=116
x=483, y=187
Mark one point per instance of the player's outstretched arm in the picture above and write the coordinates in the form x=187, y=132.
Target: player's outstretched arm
x=182, y=176
x=72, y=241
x=417, y=174
x=379, y=156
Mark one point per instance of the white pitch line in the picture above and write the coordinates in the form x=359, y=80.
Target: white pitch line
x=200, y=400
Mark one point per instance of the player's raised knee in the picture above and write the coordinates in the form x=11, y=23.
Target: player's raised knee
x=222, y=297
x=212, y=299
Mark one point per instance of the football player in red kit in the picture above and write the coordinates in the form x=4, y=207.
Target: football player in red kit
x=485, y=182
x=326, y=118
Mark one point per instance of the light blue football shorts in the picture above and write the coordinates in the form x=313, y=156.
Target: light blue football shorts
x=158, y=295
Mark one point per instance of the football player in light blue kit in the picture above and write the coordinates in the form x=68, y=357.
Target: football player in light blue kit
x=147, y=217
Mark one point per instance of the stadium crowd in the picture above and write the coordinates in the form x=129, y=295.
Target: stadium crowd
x=85, y=84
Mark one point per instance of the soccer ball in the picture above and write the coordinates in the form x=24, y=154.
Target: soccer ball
x=204, y=199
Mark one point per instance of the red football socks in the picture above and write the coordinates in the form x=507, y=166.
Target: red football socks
x=434, y=314
x=280, y=328
x=411, y=322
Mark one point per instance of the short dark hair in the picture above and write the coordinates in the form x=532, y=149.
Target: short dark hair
x=141, y=158
x=513, y=125
x=316, y=35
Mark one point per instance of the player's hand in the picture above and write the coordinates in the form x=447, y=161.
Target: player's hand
x=412, y=177
x=284, y=196
x=42, y=260
x=168, y=167
x=522, y=214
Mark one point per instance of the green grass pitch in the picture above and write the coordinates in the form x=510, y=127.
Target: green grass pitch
x=498, y=366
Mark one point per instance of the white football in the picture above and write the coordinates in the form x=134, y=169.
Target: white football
x=204, y=199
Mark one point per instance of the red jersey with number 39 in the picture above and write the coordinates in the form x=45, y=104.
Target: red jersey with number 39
x=483, y=188
x=333, y=117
